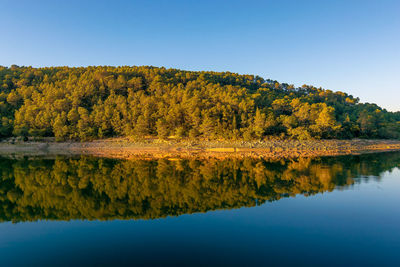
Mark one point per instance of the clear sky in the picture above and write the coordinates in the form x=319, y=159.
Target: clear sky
x=350, y=45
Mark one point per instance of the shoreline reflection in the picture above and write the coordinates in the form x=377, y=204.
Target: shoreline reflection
x=89, y=188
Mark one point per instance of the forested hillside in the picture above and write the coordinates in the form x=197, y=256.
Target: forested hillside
x=96, y=102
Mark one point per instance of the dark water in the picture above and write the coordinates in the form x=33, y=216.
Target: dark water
x=88, y=211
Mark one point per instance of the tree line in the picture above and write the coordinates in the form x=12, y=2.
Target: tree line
x=87, y=103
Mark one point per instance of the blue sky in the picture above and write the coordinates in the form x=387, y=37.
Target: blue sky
x=351, y=46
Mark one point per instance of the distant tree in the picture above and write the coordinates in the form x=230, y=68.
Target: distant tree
x=162, y=128
x=259, y=124
x=141, y=127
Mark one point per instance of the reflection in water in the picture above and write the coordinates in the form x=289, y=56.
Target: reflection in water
x=93, y=188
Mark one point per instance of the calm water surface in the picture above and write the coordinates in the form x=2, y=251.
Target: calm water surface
x=90, y=211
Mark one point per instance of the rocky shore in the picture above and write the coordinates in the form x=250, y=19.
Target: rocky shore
x=124, y=148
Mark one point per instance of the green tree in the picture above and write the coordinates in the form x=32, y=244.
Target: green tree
x=259, y=124
x=162, y=129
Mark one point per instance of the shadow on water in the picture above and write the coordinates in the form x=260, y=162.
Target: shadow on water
x=105, y=189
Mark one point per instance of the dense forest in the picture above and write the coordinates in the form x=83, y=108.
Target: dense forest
x=97, y=188
x=96, y=102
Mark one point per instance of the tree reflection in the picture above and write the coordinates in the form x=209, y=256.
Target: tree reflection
x=97, y=188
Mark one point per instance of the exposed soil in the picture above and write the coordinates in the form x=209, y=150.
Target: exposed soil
x=123, y=148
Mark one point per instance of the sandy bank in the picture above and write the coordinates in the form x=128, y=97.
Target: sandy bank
x=125, y=149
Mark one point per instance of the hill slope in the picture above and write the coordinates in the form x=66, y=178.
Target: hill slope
x=96, y=102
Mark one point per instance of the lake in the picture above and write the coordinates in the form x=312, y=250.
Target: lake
x=96, y=211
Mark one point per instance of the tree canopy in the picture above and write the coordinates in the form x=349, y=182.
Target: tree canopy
x=96, y=102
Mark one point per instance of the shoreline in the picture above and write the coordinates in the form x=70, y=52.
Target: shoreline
x=123, y=148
